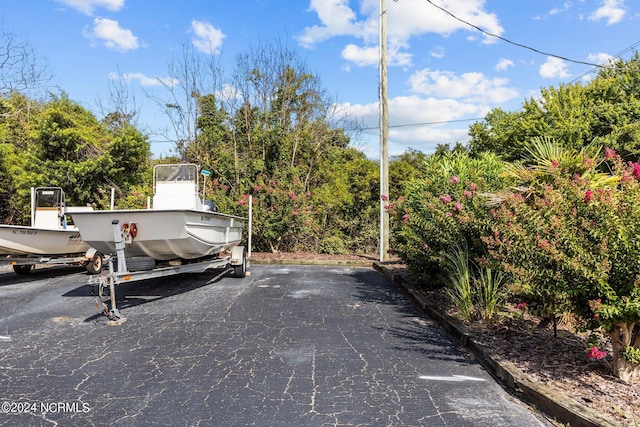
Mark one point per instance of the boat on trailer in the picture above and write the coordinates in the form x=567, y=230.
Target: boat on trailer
x=179, y=233
x=49, y=239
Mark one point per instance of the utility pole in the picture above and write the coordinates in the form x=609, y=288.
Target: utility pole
x=384, y=137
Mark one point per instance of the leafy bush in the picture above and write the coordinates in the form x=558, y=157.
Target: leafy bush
x=571, y=232
x=444, y=210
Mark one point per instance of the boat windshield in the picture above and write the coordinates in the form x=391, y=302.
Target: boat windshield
x=174, y=173
x=49, y=198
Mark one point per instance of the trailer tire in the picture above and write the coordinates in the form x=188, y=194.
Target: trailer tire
x=141, y=263
x=94, y=266
x=240, y=270
x=23, y=269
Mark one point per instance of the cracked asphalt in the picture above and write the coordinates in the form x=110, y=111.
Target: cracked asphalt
x=285, y=346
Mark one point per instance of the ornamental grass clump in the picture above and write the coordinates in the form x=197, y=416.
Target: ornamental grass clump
x=476, y=292
x=490, y=287
x=459, y=281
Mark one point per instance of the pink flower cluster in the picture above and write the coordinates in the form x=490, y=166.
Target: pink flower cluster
x=596, y=354
x=588, y=195
x=610, y=153
x=521, y=306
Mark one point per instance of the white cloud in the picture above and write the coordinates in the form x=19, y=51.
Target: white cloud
x=600, y=58
x=337, y=19
x=405, y=20
x=428, y=118
x=612, y=10
x=472, y=87
x=111, y=35
x=144, y=80
x=87, y=7
x=437, y=52
x=361, y=56
x=554, y=68
x=504, y=64
x=208, y=39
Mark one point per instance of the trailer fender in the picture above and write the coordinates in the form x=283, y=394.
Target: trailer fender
x=90, y=253
x=239, y=261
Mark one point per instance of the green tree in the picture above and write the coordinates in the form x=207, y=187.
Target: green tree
x=404, y=168
x=605, y=110
x=63, y=144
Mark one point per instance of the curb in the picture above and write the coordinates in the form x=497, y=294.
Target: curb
x=290, y=261
x=554, y=404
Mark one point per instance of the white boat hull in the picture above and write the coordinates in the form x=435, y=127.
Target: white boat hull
x=163, y=234
x=16, y=240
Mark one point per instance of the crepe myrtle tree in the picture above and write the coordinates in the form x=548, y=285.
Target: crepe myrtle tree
x=570, y=232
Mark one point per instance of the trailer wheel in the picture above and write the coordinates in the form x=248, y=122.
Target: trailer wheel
x=95, y=265
x=23, y=269
x=240, y=270
x=140, y=263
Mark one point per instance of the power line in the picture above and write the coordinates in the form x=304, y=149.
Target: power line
x=617, y=55
x=423, y=123
x=512, y=42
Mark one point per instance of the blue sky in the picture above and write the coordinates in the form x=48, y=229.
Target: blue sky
x=442, y=72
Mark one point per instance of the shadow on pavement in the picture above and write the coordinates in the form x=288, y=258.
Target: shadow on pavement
x=9, y=277
x=146, y=291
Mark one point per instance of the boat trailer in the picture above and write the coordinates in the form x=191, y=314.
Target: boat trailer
x=92, y=260
x=234, y=263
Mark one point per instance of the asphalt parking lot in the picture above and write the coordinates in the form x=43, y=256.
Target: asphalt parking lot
x=287, y=345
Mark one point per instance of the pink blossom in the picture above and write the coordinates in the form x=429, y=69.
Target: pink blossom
x=384, y=197
x=448, y=214
x=555, y=163
x=587, y=162
x=588, y=195
x=454, y=180
x=473, y=187
x=457, y=207
x=596, y=354
x=543, y=243
x=521, y=306
x=406, y=217
x=467, y=193
x=425, y=246
x=636, y=169
x=610, y=153
x=445, y=198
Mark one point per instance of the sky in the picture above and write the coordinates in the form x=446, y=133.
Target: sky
x=449, y=61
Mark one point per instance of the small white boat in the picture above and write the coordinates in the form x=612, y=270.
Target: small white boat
x=49, y=239
x=48, y=234
x=179, y=225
